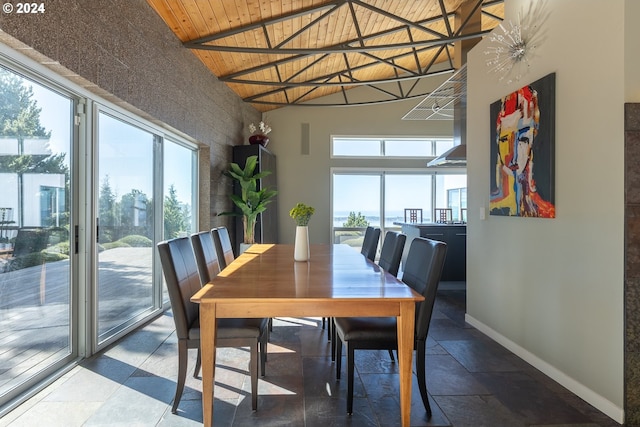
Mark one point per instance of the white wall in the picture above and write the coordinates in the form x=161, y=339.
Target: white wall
x=307, y=178
x=552, y=289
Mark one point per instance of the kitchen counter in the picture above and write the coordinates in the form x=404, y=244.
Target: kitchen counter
x=454, y=235
x=430, y=224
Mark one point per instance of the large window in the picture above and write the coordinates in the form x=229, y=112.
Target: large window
x=179, y=190
x=36, y=255
x=385, y=198
x=126, y=224
x=356, y=204
x=180, y=193
x=79, y=202
x=360, y=147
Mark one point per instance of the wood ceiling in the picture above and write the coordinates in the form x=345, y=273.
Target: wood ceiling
x=290, y=52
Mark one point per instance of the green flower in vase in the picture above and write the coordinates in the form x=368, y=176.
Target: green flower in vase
x=302, y=214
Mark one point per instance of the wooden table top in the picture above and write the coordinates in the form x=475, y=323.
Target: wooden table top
x=336, y=272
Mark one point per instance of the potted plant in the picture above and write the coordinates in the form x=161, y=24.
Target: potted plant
x=251, y=201
x=301, y=213
x=259, y=134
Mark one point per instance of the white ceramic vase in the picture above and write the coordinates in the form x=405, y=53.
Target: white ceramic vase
x=301, y=247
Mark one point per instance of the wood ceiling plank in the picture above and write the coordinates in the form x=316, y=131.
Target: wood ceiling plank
x=194, y=19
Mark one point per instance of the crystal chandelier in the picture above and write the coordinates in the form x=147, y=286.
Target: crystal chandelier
x=512, y=45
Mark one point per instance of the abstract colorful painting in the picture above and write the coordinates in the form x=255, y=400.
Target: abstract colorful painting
x=523, y=151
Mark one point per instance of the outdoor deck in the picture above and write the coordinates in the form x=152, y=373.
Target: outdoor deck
x=35, y=308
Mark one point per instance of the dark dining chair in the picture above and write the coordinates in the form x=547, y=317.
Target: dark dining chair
x=223, y=246
x=422, y=273
x=206, y=256
x=208, y=268
x=390, y=257
x=391, y=252
x=370, y=242
x=183, y=281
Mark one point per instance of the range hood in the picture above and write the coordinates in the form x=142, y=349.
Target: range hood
x=447, y=102
x=456, y=156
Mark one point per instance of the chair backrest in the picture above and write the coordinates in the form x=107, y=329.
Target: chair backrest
x=391, y=252
x=422, y=272
x=206, y=256
x=223, y=246
x=181, y=275
x=370, y=242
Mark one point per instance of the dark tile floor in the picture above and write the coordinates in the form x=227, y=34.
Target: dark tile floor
x=472, y=382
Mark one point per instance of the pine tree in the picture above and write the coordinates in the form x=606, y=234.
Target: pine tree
x=175, y=218
x=354, y=220
x=20, y=119
x=106, y=210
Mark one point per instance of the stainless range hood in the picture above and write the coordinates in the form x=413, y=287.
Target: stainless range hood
x=456, y=156
x=447, y=102
x=451, y=96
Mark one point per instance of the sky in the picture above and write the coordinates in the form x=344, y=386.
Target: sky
x=125, y=152
x=126, y=155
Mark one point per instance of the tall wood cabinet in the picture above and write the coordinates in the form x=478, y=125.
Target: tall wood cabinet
x=267, y=224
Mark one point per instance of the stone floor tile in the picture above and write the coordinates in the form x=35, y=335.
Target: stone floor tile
x=472, y=382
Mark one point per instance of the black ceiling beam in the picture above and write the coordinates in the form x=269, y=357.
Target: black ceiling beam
x=333, y=75
x=340, y=48
x=341, y=84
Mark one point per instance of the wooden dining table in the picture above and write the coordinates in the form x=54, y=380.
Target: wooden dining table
x=337, y=281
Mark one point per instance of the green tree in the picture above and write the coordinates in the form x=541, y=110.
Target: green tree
x=20, y=119
x=19, y=112
x=107, y=210
x=354, y=220
x=135, y=210
x=175, y=217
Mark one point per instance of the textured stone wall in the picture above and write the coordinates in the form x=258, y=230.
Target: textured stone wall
x=123, y=51
x=632, y=264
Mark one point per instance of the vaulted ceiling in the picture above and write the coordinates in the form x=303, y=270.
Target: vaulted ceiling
x=295, y=52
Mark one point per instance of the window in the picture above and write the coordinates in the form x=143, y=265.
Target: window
x=457, y=201
x=381, y=196
x=360, y=199
x=36, y=258
x=81, y=192
x=126, y=229
x=180, y=194
x=179, y=190
x=389, y=147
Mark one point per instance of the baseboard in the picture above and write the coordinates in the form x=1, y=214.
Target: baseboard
x=611, y=410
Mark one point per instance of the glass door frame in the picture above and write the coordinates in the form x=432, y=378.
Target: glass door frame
x=156, y=305
x=37, y=74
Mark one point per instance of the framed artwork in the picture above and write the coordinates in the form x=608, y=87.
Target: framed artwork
x=523, y=151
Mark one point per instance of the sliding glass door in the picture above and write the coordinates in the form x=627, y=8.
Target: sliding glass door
x=125, y=225
x=180, y=193
x=86, y=191
x=36, y=254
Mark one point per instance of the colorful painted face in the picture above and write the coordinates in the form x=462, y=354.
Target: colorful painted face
x=517, y=126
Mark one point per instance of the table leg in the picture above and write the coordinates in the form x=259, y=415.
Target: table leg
x=208, y=354
x=406, y=325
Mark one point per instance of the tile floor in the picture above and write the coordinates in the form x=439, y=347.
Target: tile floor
x=472, y=382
